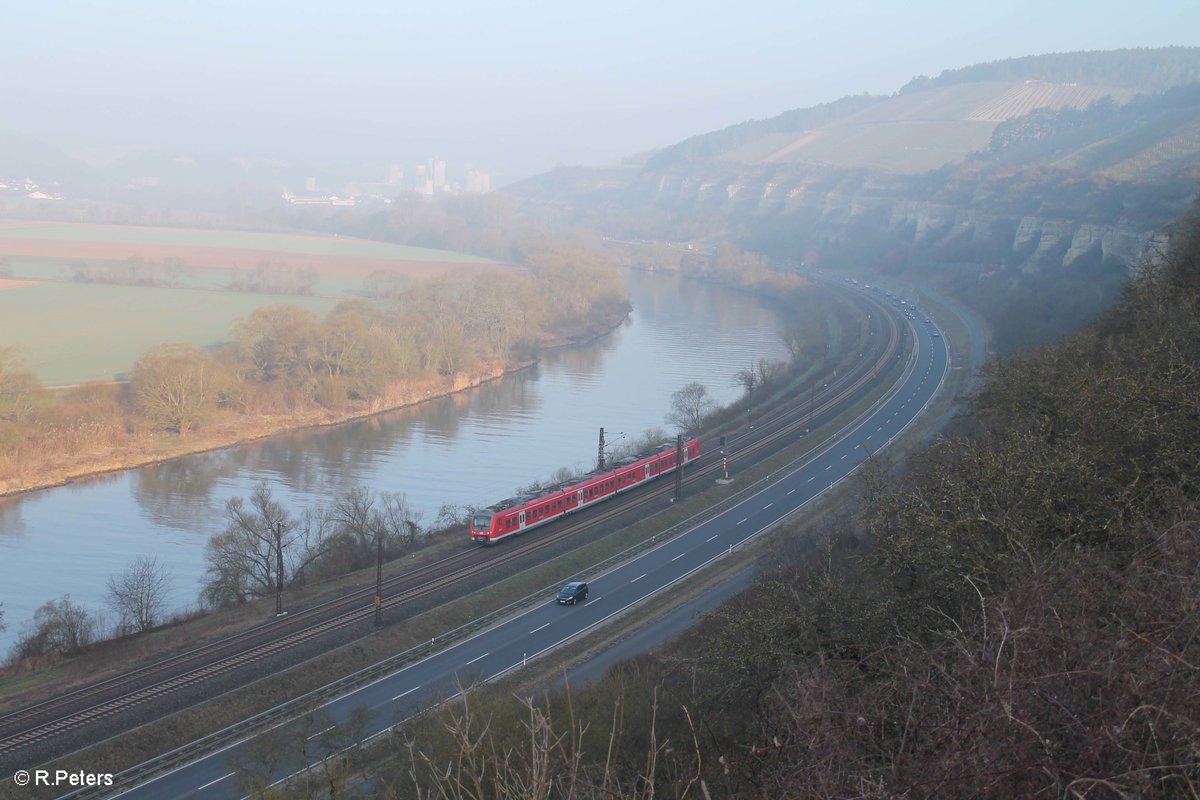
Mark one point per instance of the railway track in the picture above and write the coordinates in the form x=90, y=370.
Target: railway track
x=105, y=701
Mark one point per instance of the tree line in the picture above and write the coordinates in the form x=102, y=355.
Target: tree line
x=282, y=358
x=267, y=276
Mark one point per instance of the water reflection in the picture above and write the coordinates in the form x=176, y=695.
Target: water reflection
x=177, y=493
x=472, y=448
x=12, y=525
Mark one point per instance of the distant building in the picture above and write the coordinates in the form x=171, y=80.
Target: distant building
x=476, y=181
x=332, y=200
x=395, y=175
x=310, y=184
x=437, y=172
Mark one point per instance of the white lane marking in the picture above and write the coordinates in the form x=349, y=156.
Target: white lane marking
x=813, y=478
x=793, y=491
x=473, y=660
x=829, y=468
x=768, y=505
x=315, y=735
x=413, y=689
x=539, y=627
x=681, y=555
x=638, y=578
x=843, y=456
x=715, y=535
x=743, y=519
x=211, y=783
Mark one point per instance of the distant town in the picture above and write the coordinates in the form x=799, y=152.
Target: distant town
x=428, y=179
x=26, y=188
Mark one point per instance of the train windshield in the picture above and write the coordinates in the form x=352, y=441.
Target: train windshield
x=481, y=522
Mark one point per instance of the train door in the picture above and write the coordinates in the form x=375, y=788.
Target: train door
x=521, y=520
x=647, y=473
x=579, y=497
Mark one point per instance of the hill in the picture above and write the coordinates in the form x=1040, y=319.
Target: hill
x=933, y=122
x=1042, y=181
x=912, y=132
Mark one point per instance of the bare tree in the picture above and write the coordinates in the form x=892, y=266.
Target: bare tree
x=262, y=550
x=689, y=406
x=177, y=386
x=363, y=516
x=21, y=393
x=396, y=520
x=139, y=594
x=279, y=343
x=748, y=379
x=59, y=628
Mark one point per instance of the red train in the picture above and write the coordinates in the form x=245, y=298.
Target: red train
x=518, y=514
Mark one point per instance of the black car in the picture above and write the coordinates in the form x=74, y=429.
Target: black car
x=574, y=592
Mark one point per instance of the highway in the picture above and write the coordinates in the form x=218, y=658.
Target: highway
x=528, y=635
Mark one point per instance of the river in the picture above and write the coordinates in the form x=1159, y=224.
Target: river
x=473, y=448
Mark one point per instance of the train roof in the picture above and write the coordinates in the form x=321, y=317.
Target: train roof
x=522, y=499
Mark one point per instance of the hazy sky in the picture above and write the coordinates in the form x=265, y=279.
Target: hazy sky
x=514, y=85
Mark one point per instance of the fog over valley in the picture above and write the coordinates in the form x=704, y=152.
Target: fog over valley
x=515, y=90
x=605, y=401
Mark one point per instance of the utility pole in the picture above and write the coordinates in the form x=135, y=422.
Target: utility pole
x=678, y=467
x=378, y=579
x=600, y=453
x=279, y=568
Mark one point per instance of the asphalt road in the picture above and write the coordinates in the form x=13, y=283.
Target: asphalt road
x=506, y=646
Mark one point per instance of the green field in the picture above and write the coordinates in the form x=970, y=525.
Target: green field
x=73, y=333
x=267, y=242
x=338, y=286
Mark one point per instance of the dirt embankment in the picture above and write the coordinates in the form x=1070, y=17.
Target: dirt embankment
x=55, y=470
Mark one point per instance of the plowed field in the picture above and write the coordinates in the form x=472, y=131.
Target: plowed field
x=216, y=249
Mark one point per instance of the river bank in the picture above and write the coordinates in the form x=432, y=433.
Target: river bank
x=235, y=430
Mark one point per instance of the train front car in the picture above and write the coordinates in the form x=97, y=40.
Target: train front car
x=481, y=526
